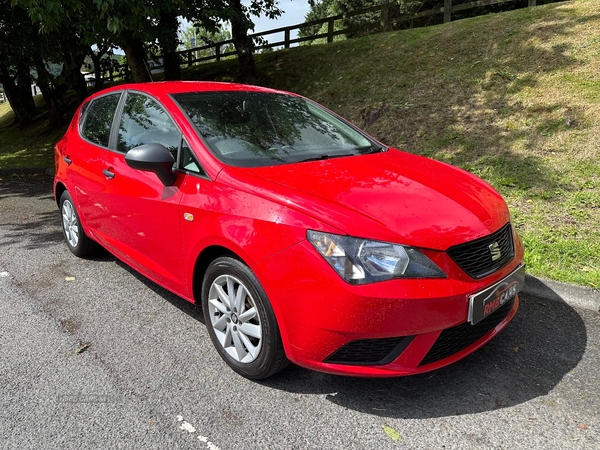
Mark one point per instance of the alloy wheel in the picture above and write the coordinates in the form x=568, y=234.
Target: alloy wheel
x=70, y=223
x=235, y=319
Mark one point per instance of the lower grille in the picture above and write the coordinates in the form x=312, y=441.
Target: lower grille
x=370, y=351
x=453, y=340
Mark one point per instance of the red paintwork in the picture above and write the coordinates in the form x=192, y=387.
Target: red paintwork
x=262, y=214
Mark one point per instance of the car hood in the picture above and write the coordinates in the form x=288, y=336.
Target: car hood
x=391, y=196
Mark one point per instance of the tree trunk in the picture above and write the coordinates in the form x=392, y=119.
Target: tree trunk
x=72, y=68
x=13, y=96
x=55, y=111
x=24, y=88
x=136, y=58
x=243, y=43
x=98, y=72
x=168, y=43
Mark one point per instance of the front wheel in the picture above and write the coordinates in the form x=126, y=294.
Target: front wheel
x=77, y=240
x=240, y=320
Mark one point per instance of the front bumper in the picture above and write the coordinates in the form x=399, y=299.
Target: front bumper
x=321, y=317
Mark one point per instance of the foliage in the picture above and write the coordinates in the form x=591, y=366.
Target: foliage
x=192, y=37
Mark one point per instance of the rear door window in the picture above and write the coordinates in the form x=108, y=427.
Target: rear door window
x=99, y=117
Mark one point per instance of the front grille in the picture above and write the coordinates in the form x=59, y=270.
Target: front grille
x=476, y=257
x=453, y=340
x=370, y=351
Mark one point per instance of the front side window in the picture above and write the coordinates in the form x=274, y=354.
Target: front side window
x=99, y=117
x=253, y=129
x=144, y=121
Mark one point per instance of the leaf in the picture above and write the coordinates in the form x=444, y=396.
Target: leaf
x=391, y=433
x=82, y=348
x=583, y=426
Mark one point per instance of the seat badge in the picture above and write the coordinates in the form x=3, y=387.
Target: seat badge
x=495, y=251
x=189, y=217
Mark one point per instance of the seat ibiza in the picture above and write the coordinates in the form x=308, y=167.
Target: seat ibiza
x=302, y=238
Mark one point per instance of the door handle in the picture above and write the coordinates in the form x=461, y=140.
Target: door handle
x=108, y=174
x=68, y=160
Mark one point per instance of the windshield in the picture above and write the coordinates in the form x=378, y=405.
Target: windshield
x=253, y=129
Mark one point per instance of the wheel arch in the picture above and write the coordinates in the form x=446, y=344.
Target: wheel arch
x=58, y=192
x=207, y=256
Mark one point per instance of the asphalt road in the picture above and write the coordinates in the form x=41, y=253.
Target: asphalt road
x=92, y=355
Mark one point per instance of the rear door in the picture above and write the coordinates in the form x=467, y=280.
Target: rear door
x=84, y=158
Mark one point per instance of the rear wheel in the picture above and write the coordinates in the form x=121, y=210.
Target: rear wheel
x=240, y=320
x=77, y=240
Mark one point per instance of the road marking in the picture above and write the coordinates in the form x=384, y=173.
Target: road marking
x=4, y=274
x=186, y=426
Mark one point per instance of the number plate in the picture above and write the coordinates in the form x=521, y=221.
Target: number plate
x=489, y=300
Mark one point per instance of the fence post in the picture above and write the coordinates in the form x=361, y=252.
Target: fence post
x=383, y=19
x=532, y=3
x=447, y=11
x=287, y=38
x=189, y=58
x=330, y=30
x=218, y=52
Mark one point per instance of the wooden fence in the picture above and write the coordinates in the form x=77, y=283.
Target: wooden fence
x=386, y=22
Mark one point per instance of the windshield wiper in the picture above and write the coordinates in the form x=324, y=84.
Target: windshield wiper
x=375, y=148
x=325, y=156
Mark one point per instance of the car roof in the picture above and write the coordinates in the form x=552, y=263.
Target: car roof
x=158, y=88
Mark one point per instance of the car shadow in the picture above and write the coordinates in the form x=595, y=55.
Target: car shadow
x=543, y=343
x=33, y=223
x=191, y=309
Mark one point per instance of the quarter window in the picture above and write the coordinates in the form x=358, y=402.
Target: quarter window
x=99, y=118
x=188, y=162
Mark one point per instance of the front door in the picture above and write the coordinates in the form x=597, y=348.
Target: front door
x=143, y=227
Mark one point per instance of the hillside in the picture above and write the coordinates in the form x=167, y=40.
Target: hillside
x=512, y=97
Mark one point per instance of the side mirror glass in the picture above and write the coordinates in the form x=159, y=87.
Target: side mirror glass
x=153, y=158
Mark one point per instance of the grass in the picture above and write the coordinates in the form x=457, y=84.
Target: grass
x=29, y=147
x=512, y=97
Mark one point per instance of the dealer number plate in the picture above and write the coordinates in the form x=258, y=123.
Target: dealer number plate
x=489, y=300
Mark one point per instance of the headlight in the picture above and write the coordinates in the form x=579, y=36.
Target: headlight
x=361, y=261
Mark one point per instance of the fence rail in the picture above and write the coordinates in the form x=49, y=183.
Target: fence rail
x=386, y=22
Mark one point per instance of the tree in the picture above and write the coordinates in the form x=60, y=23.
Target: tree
x=239, y=16
x=192, y=37
x=15, y=61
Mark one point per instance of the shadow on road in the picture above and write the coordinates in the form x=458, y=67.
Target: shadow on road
x=26, y=220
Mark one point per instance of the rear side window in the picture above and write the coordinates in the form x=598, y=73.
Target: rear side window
x=99, y=118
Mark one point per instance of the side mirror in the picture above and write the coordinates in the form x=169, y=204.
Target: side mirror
x=153, y=158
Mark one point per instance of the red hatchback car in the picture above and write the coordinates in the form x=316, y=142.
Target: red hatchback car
x=303, y=238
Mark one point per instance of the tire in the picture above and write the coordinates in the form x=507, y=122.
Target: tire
x=240, y=320
x=77, y=241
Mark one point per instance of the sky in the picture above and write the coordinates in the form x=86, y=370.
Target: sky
x=294, y=12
